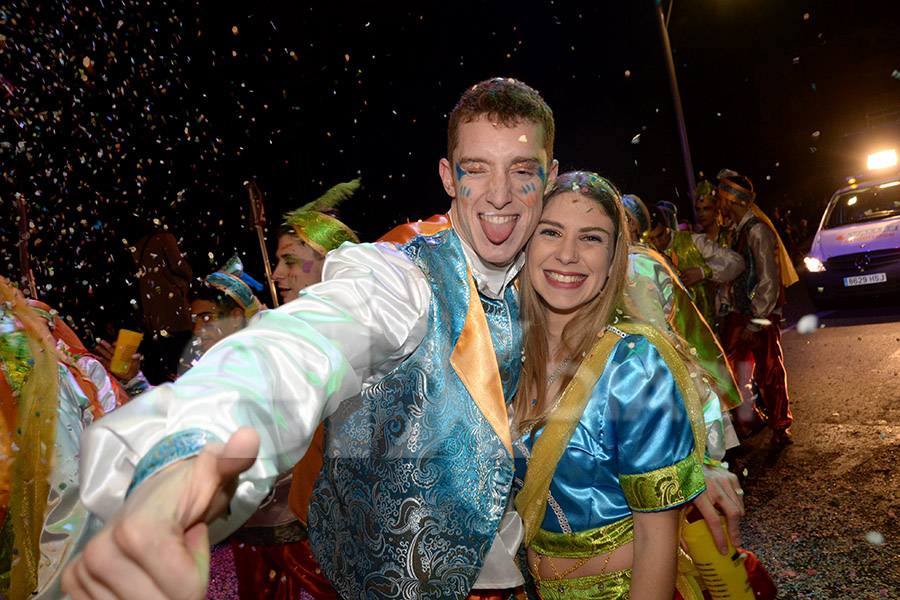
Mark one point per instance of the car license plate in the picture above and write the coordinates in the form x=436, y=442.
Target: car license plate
x=864, y=279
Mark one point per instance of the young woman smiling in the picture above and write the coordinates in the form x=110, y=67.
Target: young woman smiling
x=609, y=438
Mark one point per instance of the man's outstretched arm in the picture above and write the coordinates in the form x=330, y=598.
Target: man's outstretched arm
x=281, y=376
x=157, y=545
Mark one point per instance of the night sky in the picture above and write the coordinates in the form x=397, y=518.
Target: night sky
x=116, y=113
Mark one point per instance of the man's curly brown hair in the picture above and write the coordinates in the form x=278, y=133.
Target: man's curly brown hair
x=506, y=101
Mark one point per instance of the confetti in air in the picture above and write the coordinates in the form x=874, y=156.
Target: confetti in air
x=807, y=324
x=875, y=538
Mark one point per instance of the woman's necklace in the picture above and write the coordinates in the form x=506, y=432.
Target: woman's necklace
x=552, y=377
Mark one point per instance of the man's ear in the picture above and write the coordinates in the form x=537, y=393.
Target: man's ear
x=236, y=313
x=551, y=176
x=446, y=174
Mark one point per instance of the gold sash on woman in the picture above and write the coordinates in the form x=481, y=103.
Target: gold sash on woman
x=531, y=501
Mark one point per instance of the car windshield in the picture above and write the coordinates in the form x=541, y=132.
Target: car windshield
x=864, y=204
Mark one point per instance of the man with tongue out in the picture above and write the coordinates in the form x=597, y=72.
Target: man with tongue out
x=410, y=348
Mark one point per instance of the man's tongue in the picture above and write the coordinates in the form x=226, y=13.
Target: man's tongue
x=496, y=232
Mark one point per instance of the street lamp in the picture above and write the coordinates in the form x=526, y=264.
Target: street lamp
x=676, y=102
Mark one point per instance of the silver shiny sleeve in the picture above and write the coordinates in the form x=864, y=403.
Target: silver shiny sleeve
x=762, y=244
x=725, y=264
x=282, y=375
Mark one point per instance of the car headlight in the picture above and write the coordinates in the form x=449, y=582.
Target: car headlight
x=813, y=265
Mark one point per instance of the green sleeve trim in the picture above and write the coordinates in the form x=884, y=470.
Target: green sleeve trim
x=666, y=487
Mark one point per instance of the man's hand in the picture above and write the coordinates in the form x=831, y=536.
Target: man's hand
x=691, y=276
x=723, y=495
x=157, y=545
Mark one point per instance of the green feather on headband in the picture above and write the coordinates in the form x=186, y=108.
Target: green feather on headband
x=318, y=229
x=334, y=196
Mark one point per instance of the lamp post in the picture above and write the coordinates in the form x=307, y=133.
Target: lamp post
x=676, y=102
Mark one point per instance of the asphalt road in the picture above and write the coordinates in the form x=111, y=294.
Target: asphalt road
x=822, y=513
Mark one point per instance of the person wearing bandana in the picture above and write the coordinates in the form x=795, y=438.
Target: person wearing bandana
x=750, y=328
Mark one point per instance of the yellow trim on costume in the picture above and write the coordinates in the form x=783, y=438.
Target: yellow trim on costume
x=662, y=489
x=481, y=377
x=531, y=501
x=785, y=267
x=35, y=435
x=581, y=544
x=475, y=363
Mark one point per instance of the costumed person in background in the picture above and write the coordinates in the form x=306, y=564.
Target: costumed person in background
x=222, y=304
x=271, y=551
x=655, y=293
x=638, y=218
x=51, y=388
x=709, y=215
x=164, y=278
x=750, y=330
x=306, y=236
x=701, y=264
x=671, y=212
x=612, y=461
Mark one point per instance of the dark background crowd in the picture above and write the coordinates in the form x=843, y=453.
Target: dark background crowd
x=120, y=116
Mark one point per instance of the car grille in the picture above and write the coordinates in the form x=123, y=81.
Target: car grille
x=863, y=261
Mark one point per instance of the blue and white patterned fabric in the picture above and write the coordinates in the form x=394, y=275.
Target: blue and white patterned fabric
x=415, y=478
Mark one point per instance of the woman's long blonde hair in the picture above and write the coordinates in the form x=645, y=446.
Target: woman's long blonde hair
x=531, y=403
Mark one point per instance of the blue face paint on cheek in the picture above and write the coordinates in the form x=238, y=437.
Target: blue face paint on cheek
x=541, y=174
x=459, y=172
x=465, y=191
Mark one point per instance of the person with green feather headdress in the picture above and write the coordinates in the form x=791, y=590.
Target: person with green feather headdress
x=306, y=236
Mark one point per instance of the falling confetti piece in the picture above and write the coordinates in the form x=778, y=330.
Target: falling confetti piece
x=875, y=538
x=807, y=324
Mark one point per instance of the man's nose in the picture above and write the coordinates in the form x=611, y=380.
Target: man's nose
x=500, y=193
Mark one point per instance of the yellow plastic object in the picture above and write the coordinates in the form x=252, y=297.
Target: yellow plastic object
x=126, y=345
x=724, y=576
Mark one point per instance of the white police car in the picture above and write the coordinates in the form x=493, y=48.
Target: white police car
x=856, y=250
